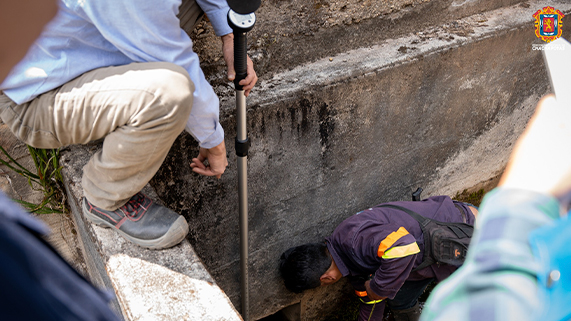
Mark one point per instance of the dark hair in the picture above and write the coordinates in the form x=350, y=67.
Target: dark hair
x=301, y=267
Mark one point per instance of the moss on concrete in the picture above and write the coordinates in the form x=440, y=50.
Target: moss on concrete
x=472, y=198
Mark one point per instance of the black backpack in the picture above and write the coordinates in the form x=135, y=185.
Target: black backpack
x=444, y=242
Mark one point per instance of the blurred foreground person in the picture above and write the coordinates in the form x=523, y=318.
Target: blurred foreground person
x=37, y=283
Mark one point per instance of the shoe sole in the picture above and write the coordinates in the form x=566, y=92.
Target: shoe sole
x=176, y=233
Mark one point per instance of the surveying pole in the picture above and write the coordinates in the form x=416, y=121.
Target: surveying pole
x=241, y=19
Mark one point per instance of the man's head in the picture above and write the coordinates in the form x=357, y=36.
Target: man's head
x=308, y=266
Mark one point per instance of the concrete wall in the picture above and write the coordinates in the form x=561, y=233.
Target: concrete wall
x=289, y=33
x=351, y=114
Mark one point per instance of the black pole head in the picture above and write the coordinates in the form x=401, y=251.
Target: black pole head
x=244, y=6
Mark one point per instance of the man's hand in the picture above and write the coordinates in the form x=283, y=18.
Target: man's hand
x=217, y=161
x=372, y=295
x=228, y=51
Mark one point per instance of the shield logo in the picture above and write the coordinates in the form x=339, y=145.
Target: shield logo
x=548, y=23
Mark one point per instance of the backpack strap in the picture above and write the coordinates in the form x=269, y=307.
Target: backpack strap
x=423, y=221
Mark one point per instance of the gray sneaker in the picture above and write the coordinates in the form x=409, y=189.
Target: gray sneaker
x=141, y=221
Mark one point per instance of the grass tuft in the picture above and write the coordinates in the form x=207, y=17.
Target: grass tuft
x=47, y=179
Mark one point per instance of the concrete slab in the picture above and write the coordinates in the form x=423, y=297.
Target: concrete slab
x=170, y=284
x=151, y=291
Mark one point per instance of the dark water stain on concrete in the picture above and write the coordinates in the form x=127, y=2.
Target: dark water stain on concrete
x=326, y=126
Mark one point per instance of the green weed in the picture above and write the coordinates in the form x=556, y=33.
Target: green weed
x=47, y=179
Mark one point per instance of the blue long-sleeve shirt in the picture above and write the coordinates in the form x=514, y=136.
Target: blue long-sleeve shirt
x=90, y=34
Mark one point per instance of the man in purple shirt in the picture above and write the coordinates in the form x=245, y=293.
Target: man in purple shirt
x=378, y=249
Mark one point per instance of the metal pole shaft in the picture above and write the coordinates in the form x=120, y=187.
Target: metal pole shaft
x=241, y=135
x=241, y=24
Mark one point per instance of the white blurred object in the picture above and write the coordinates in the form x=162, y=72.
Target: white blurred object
x=557, y=56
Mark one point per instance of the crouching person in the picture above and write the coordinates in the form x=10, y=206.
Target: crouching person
x=381, y=251
x=124, y=71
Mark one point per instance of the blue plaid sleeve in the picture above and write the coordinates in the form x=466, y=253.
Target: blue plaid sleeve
x=499, y=278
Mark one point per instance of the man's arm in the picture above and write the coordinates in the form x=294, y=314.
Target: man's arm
x=394, y=252
x=217, y=160
x=371, y=294
x=217, y=11
x=392, y=274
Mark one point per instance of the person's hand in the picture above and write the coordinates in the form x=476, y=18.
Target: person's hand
x=228, y=52
x=372, y=295
x=541, y=159
x=217, y=161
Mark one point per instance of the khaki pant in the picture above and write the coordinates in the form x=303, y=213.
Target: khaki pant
x=139, y=108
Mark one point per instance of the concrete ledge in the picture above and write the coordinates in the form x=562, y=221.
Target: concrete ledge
x=170, y=284
x=294, y=32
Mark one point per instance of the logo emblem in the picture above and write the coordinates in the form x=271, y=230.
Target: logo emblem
x=548, y=23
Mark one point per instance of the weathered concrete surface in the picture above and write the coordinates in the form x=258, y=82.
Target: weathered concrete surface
x=149, y=285
x=153, y=292
x=294, y=32
x=334, y=136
